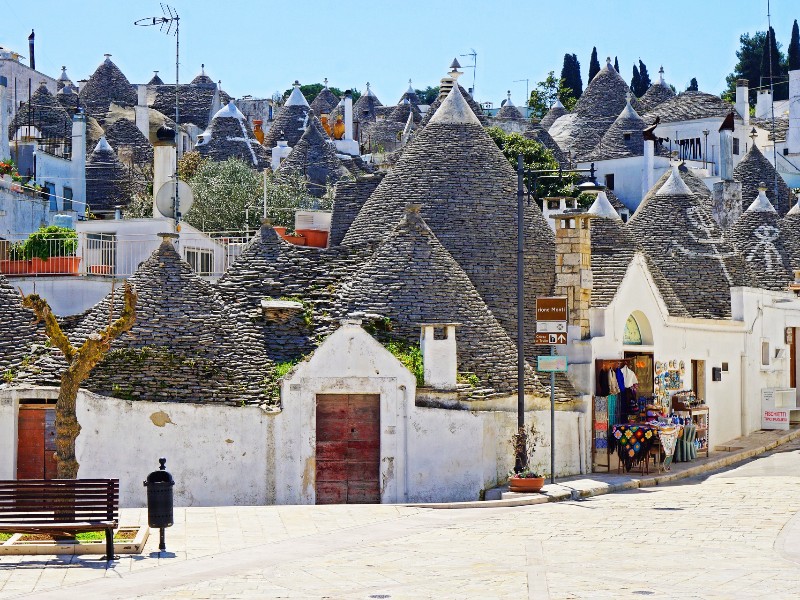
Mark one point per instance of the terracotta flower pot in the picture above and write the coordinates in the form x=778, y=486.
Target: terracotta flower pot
x=281, y=230
x=297, y=240
x=315, y=237
x=525, y=485
x=101, y=269
x=62, y=265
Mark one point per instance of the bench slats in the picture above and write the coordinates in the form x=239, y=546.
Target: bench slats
x=58, y=504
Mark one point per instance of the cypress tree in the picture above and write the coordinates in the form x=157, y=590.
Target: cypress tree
x=693, y=87
x=771, y=67
x=594, y=65
x=644, y=79
x=571, y=74
x=636, y=81
x=616, y=64
x=794, y=48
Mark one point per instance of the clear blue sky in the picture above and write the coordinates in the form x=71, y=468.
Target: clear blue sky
x=258, y=47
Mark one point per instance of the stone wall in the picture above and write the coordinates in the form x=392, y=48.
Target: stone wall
x=574, y=267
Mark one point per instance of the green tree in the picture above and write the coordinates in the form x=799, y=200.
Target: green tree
x=428, y=95
x=636, y=81
x=594, y=64
x=288, y=194
x=794, y=48
x=772, y=67
x=534, y=156
x=693, y=87
x=751, y=49
x=311, y=90
x=644, y=79
x=544, y=95
x=571, y=75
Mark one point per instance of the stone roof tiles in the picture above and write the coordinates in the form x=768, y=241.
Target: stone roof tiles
x=325, y=102
x=688, y=106
x=756, y=235
x=155, y=80
x=412, y=279
x=44, y=112
x=466, y=196
x=656, y=94
x=195, y=102
x=125, y=137
x=106, y=85
x=536, y=132
x=556, y=111
x=509, y=111
x=476, y=109
x=754, y=169
x=349, y=197
x=231, y=137
x=289, y=124
x=790, y=233
x=678, y=234
x=314, y=157
x=623, y=139
x=18, y=332
x=108, y=181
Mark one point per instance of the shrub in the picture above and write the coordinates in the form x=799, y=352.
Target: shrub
x=49, y=241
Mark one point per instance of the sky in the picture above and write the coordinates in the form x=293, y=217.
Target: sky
x=260, y=47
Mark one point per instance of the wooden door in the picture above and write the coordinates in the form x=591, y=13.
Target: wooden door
x=36, y=442
x=348, y=449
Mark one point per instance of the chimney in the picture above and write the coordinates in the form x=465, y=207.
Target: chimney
x=648, y=174
x=279, y=152
x=726, y=149
x=4, y=147
x=793, y=136
x=574, y=266
x=764, y=104
x=348, y=115
x=78, y=163
x=164, y=165
x=142, y=113
x=743, y=100
x=439, y=354
x=31, y=39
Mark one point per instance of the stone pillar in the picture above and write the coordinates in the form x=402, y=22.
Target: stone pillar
x=793, y=135
x=743, y=100
x=164, y=167
x=649, y=163
x=726, y=153
x=574, y=266
x=726, y=203
x=142, y=112
x=439, y=358
x=348, y=115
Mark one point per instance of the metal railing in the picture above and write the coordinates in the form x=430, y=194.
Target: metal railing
x=113, y=254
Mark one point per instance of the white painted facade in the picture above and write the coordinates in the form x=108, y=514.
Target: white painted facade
x=759, y=316
x=21, y=78
x=20, y=213
x=628, y=176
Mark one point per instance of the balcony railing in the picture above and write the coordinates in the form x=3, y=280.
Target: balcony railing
x=99, y=254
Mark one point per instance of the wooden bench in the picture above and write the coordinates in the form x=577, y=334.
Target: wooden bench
x=60, y=507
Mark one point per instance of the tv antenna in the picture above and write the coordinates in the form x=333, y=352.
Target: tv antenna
x=473, y=66
x=527, y=90
x=170, y=23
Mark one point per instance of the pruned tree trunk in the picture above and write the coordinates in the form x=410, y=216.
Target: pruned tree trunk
x=80, y=362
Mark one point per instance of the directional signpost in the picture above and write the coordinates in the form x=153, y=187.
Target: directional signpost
x=552, y=315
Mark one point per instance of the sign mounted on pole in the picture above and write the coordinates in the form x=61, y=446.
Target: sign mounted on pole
x=552, y=364
x=553, y=308
x=552, y=339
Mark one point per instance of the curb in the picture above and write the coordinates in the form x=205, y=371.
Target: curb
x=561, y=492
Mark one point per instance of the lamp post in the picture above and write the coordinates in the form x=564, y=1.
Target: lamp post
x=528, y=183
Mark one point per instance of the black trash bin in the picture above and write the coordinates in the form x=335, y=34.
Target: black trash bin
x=159, y=486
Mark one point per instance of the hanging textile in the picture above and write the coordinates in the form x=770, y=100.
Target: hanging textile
x=632, y=443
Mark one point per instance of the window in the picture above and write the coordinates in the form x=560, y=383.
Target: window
x=627, y=137
x=67, y=202
x=786, y=152
x=201, y=261
x=51, y=195
x=610, y=181
x=632, y=335
x=736, y=145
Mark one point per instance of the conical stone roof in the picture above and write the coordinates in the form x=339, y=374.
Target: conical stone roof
x=790, y=233
x=556, y=111
x=756, y=235
x=623, y=139
x=401, y=112
x=108, y=181
x=467, y=192
x=472, y=104
x=509, y=111
x=271, y=268
x=68, y=99
x=678, y=234
x=754, y=169
x=314, y=158
x=18, y=333
x=349, y=198
x=106, y=85
x=536, y=132
x=325, y=102
x=45, y=113
x=656, y=94
x=231, y=137
x=195, y=102
x=291, y=121
x=185, y=346
x=365, y=108
x=412, y=279
x=125, y=137
x=156, y=80
x=692, y=181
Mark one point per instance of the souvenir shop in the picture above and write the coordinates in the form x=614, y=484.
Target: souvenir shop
x=644, y=418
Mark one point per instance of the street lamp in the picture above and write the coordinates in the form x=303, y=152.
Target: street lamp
x=528, y=182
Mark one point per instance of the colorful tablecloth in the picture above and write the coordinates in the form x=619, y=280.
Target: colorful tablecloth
x=632, y=443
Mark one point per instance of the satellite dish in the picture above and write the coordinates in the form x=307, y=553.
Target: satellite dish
x=165, y=198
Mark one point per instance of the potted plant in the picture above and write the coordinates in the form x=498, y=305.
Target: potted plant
x=16, y=264
x=51, y=250
x=294, y=237
x=524, y=479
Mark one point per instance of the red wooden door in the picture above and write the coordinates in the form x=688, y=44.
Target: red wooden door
x=348, y=449
x=36, y=443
